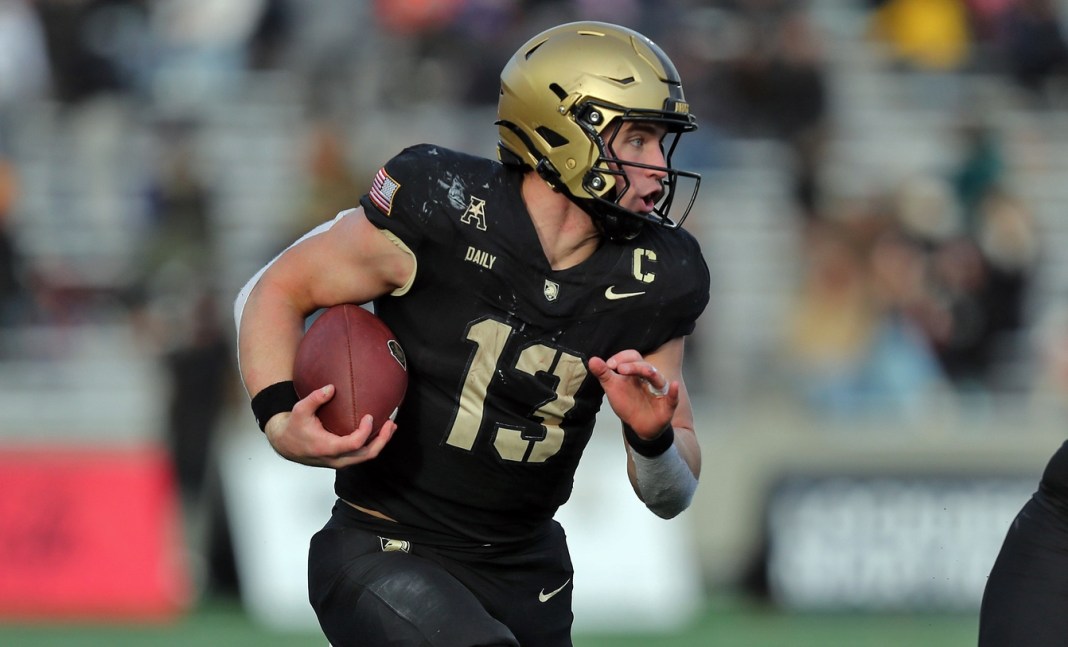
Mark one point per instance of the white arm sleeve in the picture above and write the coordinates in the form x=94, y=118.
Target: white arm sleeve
x=666, y=483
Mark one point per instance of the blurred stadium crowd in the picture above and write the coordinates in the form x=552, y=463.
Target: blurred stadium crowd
x=882, y=209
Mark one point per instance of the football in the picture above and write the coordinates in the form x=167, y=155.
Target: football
x=351, y=348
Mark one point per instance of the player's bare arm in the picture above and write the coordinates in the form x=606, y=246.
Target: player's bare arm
x=351, y=262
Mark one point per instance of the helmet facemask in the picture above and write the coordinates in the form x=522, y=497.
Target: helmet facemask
x=607, y=185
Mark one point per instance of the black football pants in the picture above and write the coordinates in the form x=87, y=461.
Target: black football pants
x=369, y=591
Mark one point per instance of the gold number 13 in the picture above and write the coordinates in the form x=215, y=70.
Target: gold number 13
x=565, y=369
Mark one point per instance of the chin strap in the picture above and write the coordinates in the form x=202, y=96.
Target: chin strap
x=614, y=227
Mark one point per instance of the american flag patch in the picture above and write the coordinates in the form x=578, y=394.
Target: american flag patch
x=383, y=189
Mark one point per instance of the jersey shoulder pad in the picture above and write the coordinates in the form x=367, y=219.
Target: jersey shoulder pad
x=414, y=193
x=686, y=272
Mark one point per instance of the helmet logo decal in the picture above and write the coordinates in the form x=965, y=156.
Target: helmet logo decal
x=551, y=290
x=638, y=266
x=383, y=189
x=476, y=211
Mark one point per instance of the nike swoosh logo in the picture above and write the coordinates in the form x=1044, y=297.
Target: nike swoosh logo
x=545, y=597
x=612, y=295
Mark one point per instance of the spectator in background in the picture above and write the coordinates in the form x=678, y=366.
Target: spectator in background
x=1008, y=238
x=958, y=276
x=422, y=47
x=980, y=168
x=24, y=64
x=851, y=350
x=200, y=366
x=176, y=312
x=896, y=304
x=975, y=279
x=948, y=307
x=924, y=35
x=93, y=46
x=179, y=210
x=1031, y=40
x=327, y=46
x=331, y=185
x=776, y=86
x=180, y=322
x=12, y=292
x=175, y=298
x=202, y=48
x=803, y=109
x=489, y=28
x=269, y=42
x=416, y=17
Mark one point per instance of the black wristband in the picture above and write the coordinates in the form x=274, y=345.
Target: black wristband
x=275, y=399
x=650, y=448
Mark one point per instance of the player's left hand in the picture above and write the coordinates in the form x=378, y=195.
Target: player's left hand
x=642, y=396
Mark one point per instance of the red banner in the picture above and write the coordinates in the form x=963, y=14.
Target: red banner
x=91, y=533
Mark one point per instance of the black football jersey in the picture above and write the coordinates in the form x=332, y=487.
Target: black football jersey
x=500, y=403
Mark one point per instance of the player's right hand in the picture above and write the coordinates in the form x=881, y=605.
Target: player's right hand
x=300, y=437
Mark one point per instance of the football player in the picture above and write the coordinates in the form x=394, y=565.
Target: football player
x=524, y=291
x=1027, y=592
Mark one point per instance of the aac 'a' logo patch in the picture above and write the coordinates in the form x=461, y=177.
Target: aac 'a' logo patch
x=383, y=189
x=476, y=213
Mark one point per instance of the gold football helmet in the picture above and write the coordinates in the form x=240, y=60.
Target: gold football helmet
x=559, y=94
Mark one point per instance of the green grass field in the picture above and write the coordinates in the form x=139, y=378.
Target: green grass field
x=726, y=623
